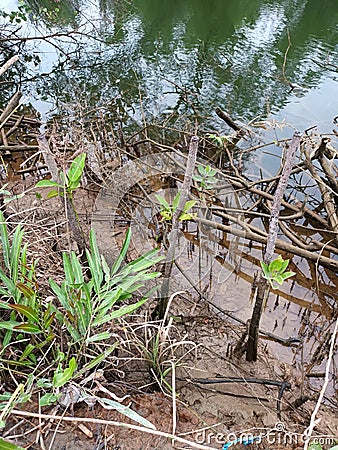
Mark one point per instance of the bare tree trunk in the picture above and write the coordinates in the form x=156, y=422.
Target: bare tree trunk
x=263, y=288
x=184, y=192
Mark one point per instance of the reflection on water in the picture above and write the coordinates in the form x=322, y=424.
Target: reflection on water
x=174, y=53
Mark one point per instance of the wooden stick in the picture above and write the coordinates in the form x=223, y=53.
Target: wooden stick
x=112, y=423
x=8, y=64
x=184, y=193
x=12, y=104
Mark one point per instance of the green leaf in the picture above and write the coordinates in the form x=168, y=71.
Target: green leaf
x=176, y=201
x=198, y=178
x=189, y=204
x=47, y=183
x=127, y=309
x=76, y=169
x=315, y=446
x=275, y=265
x=53, y=193
x=12, y=290
x=166, y=215
x=266, y=271
x=185, y=216
x=44, y=383
x=98, y=337
x=284, y=265
x=126, y=411
x=28, y=350
x=77, y=269
x=5, y=445
x=27, y=312
x=49, y=399
x=94, y=362
x=123, y=252
x=163, y=202
x=26, y=290
x=9, y=325
x=15, y=253
x=4, y=240
x=287, y=275
x=61, y=378
x=27, y=328
x=201, y=168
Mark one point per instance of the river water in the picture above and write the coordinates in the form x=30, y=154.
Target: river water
x=252, y=58
x=174, y=62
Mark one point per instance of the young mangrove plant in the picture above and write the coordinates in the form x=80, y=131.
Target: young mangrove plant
x=167, y=212
x=69, y=182
x=206, y=177
x=275, y=272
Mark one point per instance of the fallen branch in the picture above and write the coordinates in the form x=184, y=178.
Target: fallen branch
x=281, y=245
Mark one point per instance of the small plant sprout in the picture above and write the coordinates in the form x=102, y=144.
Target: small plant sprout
x=69, y=182
x=219, y=141
x=168, y=211
x=7, y=196
x=275, y=271
x=206, y=177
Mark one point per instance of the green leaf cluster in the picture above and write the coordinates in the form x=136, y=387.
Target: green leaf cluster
x=78, y=317
x=219, y=141
x=206, y=177
x=69, y=182
x=167, y=211
x=86, y=305
x=275, y=272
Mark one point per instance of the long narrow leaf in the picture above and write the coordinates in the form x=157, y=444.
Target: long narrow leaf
x=15, y=253
x=28, y=328
x=94, y=362
x=126, y=411
x=122, y=254
x=47, y=183
x=5, y=445
x=98, y=337
x=4, y=240
x=95, y=271
x=27, y=312
x=12, y=290
x=9, y=325
x=77, y=270
x=68, y=269
x=61, y=294
x=127, y=309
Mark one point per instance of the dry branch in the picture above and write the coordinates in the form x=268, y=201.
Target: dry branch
x=8, y=64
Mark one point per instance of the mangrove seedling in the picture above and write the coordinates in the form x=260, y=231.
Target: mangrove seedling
x=167, y=211
x=69, y=182
x=275, y=272
x=206, y=177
